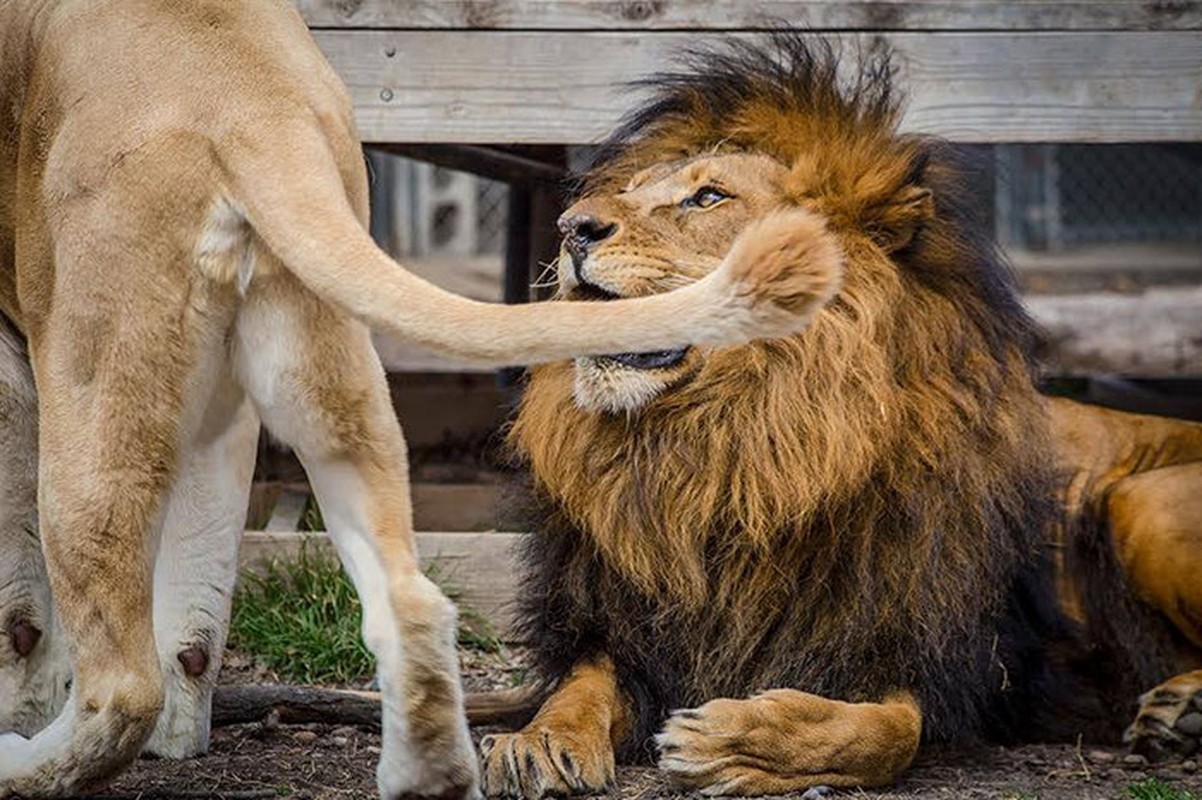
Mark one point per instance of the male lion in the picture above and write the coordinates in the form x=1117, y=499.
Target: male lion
x=182, y=199
x=790, y=563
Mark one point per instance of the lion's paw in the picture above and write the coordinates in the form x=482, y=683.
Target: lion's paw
x=1169, y=722
x=725, y=747
x=785, y=266
x=542, y=762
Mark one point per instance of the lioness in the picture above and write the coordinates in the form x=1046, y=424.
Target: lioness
x=791, y=563
x=182, y=199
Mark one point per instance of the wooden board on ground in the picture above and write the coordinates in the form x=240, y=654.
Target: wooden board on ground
x=479, y=569
x=730, y=14
x=560, y=87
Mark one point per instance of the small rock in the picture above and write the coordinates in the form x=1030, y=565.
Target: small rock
x=1190, y=724
x=1138, y=775
x=1134, y=760
x=344, y=730
x=1189, y=765
x=817, y=793
x=1116, y=774
x=339, y=741
x=1101, y=757
x=305, y=737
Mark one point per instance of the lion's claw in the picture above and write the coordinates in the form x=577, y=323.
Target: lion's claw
x=541, y=762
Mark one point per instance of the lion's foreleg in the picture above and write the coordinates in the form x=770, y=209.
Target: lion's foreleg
x=785, y=740
x=568, y=748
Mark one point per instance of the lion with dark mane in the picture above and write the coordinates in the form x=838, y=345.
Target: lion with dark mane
x=792, y=562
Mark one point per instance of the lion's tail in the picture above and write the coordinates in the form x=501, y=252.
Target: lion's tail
x=308, y=223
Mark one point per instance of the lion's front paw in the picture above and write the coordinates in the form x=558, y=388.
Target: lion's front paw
x=786, y=741
x=722, y=748
x=541, y=762
x=1169, y=722
x=785, y=266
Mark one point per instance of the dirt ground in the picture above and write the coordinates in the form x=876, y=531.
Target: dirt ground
x=262, y=760
x=316, y=761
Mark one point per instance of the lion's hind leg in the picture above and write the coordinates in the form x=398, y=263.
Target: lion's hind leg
x=34, y=668
x=1169, y=722
x=196, y=566
x=1155, y=519
x=318, y=385
x=786, y=741
x=110, y=435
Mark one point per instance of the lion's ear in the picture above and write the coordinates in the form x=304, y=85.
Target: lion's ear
x=894, y=223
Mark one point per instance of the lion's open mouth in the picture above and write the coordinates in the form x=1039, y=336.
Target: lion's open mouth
x=655, y=359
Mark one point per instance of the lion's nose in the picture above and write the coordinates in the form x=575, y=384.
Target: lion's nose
x=582, y=231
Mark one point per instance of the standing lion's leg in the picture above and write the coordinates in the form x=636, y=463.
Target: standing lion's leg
x=785, y=741
x=34, y=667
x=568, y=748
x=196, y=566
x=112, y=384
x=1155, y=519
x=318, y=385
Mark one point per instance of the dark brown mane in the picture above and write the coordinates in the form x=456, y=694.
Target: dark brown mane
x=847, y=511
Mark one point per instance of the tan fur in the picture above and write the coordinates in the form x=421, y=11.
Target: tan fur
x=182, y=208
x=761, y=745
x=568, y=748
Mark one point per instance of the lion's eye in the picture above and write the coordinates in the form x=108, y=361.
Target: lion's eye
x=704, y=197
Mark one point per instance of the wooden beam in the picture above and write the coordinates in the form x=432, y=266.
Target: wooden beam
x=487, y=162
x=857, y=15
x=479, y=569
x=1154, y=333
x=514, y=87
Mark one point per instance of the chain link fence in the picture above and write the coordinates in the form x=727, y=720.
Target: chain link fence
x=1056, y=197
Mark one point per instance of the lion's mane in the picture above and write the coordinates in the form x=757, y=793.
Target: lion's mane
x=848, y=511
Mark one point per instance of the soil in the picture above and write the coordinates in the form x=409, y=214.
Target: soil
x=322, y=761
x=263, y=760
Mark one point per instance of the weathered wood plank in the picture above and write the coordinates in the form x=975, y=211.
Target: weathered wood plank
x=508, y=87
x=478, y=568
x=1153, y=334
x=889, y=15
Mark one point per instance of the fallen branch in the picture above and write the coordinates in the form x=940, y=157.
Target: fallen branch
x=294, y=705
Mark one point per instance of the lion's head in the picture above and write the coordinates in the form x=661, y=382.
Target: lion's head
x=876, y=478
x=925, y=344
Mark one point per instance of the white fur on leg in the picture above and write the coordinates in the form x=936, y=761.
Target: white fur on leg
x=33, y=684
x=403, y=769
x=194, y=575
x=21, y=758
x=426, y=749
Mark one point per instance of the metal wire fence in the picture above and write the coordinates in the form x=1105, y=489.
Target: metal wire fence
x=1056, y=197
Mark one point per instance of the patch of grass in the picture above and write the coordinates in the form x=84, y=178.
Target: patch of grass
x=1155, y=789
x=302, y=618
x=311, y=519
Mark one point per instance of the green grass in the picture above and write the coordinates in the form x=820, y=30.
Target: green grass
x=302, y=619
x=1154, y=789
